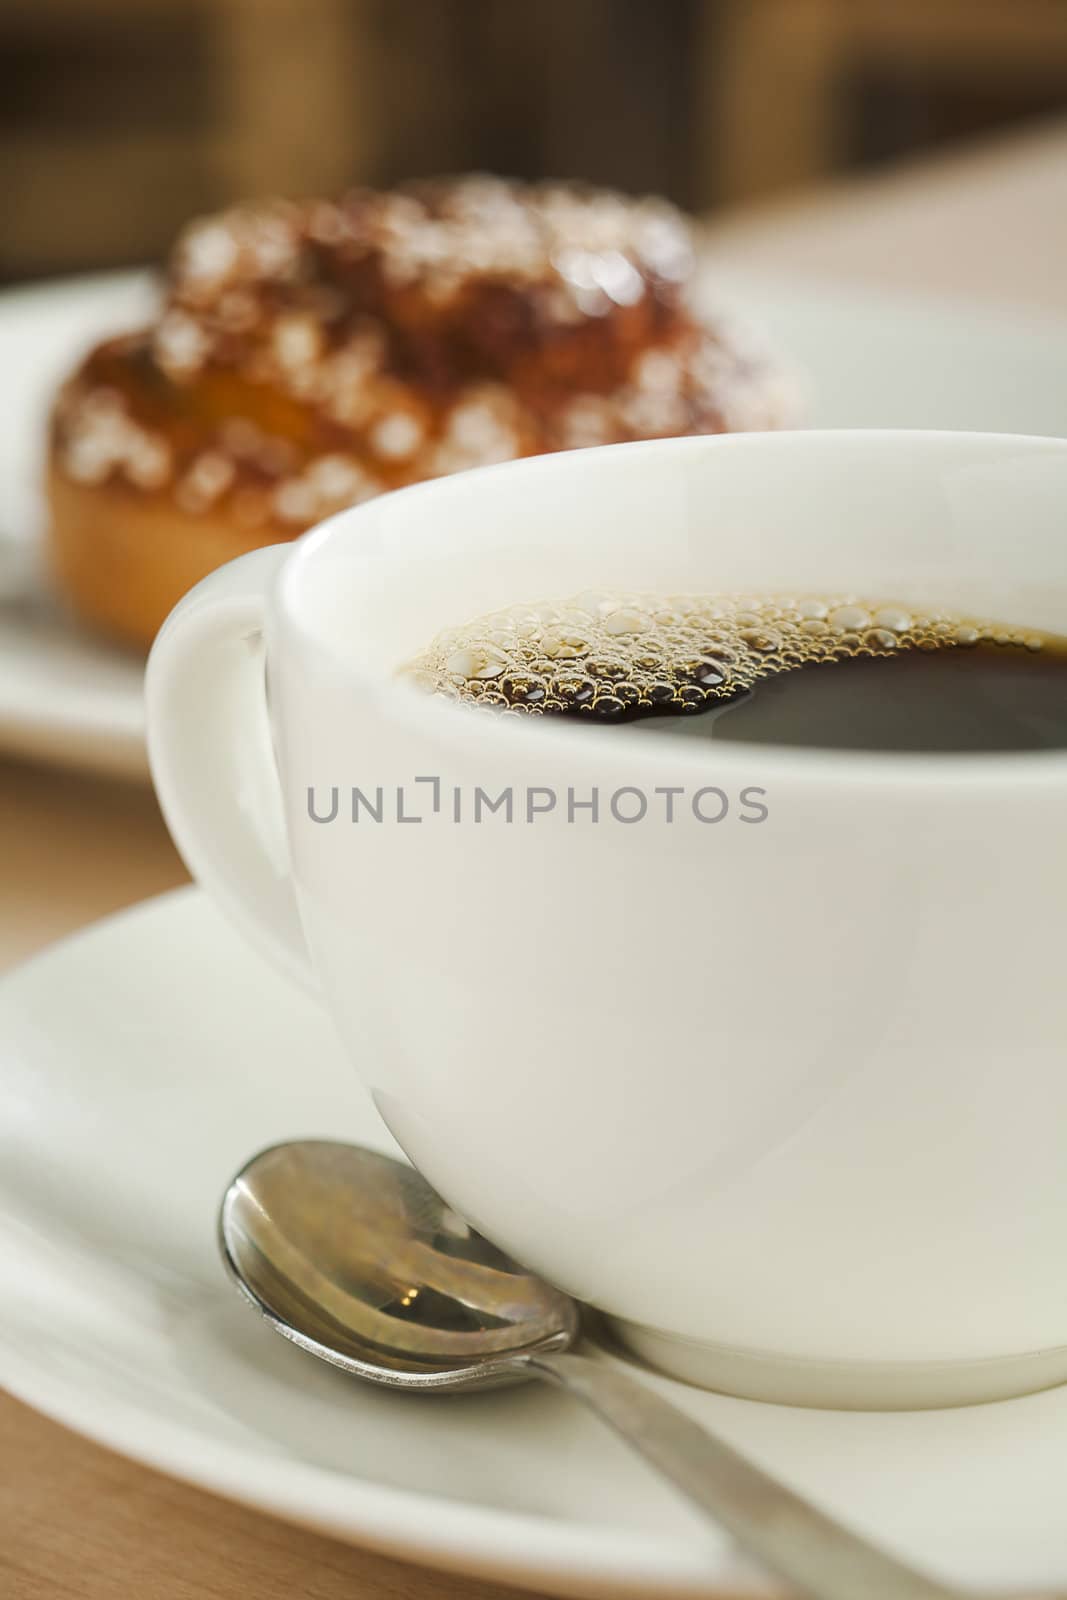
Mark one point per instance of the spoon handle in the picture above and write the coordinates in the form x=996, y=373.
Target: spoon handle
x=791, y=1537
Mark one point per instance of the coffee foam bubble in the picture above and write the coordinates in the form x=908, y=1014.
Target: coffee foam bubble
x=615, y=657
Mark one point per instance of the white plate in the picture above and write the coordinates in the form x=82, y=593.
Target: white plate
x=64, y=695
x=873, y=360
x=140, y=1064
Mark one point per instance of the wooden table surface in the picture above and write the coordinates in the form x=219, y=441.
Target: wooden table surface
x=79, y=1523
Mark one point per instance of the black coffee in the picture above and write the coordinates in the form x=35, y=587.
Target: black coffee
x=840, y=673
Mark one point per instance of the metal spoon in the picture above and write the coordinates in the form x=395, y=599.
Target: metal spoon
x=354, y=1257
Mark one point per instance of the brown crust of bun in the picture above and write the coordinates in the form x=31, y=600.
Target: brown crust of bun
x=124, y=559
x=309, y=356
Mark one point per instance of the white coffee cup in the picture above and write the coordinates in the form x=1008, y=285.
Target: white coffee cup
x=785, y=1096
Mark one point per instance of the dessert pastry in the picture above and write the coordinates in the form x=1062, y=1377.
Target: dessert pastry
x=309, y=355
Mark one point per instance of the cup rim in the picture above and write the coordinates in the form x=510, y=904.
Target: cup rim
x=466, y=725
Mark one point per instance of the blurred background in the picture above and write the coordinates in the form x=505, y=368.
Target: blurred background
x=120, y=118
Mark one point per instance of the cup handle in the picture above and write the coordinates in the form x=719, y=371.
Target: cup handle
x=212, y=757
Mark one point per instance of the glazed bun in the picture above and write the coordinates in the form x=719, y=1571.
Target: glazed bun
x=308, y=356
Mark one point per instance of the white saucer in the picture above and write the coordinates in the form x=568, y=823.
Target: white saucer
x=873, y=359
x=140, y=1064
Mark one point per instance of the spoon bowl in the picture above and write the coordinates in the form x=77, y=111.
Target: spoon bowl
x=354, y=1257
